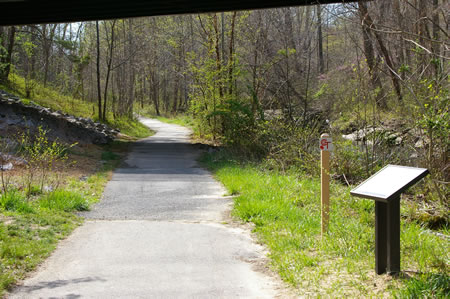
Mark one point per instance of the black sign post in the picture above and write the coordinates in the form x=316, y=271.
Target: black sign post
x=385, y=187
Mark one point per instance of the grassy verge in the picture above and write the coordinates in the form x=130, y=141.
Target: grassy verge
x=29, y=237
x=181, y=120
x=285, y=211
x=31, y=228
x=131, y=127
x=178, y=119
x=48, y=97
x=52, y=98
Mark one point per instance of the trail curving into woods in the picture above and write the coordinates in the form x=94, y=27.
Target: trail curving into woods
x=158, y=232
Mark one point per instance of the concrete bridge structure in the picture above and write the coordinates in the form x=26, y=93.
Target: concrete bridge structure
x=20, y=12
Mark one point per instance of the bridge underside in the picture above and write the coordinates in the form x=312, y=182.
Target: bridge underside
x=17, y=12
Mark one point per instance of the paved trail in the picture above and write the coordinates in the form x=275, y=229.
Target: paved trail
x=156, y=234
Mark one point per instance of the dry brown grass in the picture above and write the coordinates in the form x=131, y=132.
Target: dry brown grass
x=83, y=161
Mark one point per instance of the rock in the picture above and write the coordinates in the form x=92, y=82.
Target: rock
x=12, y=159
x=352, y=136
x=419, y=144
x=16, y=115
x=414, y=155
x=48, y=189
x=270, y=114
x=382, y=135
x=13, y=121
x=7, y=166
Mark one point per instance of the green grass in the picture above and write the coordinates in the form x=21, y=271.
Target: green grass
x=15, y=201
x=48, y=97
x=64, y=200
x=108, y=155
x=131, y=127
x=181, y=120
x=54, y=99
x=178, y=119
x=285, y=210
x=28, y=237
x=435, y=285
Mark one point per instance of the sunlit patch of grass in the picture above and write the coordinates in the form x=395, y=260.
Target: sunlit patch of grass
x=285, y=209
x=178, y=119
x=27, y=240
x=181, y=120
x=131, y=127
x=48, y=97
x=64, y=200
x=15, y=201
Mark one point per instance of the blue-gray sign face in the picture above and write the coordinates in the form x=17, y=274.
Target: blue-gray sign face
x=389, y=182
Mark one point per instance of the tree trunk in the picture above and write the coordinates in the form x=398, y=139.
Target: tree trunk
x=320, y=40
x=368, y=23
x=165, y=95
x=5, y=61
x=108, y=71
x=436, y=44
x=371, y=63
x=155, y=93
x=231, y=54
x=132, y=70
x=218, y=60
x=48, y=41
x=176, y=89
x=98, y=74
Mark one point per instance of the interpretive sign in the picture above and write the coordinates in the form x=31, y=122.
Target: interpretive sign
x=385, y=188
x=389, y=182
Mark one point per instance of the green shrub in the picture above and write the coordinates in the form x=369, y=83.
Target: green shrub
x=42, y=155
x=63, y=200
x=292, y=145
x=348, y=160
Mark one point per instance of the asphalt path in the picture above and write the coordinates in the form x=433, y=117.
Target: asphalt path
x=160, y=231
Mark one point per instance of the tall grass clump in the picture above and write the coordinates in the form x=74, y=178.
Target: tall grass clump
x=15, y=201
x=63, y=200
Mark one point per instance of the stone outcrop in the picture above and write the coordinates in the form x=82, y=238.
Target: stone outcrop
x=383, y=135
x=16, y=116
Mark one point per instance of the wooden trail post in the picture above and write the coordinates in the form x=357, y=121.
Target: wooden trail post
x=325, y=145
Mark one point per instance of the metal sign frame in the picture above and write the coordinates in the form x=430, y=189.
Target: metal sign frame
x=387, y=218
x=421, y=173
